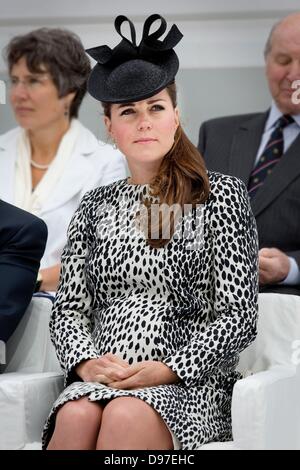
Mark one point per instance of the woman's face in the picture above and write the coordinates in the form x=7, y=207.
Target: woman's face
x=144, y=130
x=34, y=98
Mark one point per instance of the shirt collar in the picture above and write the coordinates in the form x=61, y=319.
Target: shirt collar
x=275, y=114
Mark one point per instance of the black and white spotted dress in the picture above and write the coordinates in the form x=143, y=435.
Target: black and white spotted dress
x=192, y=306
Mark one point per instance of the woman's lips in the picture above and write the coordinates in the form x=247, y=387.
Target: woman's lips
x=23, y=110
x=145, y=141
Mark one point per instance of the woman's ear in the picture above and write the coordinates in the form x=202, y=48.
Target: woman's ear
x=70, y=97
x=176, y=115
x=107, y=123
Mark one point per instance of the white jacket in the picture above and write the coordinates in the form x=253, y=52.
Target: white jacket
x=92, y=164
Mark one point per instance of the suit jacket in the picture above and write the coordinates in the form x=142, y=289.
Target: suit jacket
x=229, y=145
x=22, y=242
x=92, y=164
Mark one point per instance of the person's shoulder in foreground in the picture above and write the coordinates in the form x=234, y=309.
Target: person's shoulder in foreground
x=22, y=242
x=13, y=219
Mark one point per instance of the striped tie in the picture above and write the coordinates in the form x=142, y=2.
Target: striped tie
x=270, y=156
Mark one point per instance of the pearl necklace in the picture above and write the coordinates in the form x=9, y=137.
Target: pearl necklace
x=39, y=166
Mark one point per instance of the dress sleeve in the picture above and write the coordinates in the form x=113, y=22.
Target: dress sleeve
x=234, y=241
x=71, y=318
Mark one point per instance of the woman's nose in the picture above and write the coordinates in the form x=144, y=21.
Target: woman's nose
x=19, y=90
x=144, y=124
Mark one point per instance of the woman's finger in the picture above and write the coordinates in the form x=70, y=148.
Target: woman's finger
x=115, y=359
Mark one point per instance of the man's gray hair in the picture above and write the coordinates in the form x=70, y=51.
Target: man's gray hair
x=268, y=45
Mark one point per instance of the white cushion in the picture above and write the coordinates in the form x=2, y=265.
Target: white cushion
x=266, y=411
x=265, y=404
x=229, y=445
x=278, y=334
x=30, y=349
x=25, y=401
x=32, y=380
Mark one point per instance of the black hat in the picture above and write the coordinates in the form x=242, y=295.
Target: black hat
x=131, y=73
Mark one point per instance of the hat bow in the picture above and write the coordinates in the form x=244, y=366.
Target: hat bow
x=151, y=48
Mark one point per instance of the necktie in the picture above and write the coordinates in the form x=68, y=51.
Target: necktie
x=270, y=156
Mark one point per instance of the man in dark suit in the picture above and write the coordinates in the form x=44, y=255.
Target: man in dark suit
x=22, y=242
x=240, y=146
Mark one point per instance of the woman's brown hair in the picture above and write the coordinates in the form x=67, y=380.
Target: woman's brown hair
x=60, y=53
x=182, y=179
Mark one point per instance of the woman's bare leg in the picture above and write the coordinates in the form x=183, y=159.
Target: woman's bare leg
x=77, y=426
x=130, y=423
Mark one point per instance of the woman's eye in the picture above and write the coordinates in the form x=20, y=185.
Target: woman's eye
x=127, y=111
x=157, y=107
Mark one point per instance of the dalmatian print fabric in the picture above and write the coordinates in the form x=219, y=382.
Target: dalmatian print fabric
x=191, y=304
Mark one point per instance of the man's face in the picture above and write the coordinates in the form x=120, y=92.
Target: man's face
x=283, y=64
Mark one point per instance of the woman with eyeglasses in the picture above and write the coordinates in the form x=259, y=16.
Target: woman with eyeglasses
x=51, y=159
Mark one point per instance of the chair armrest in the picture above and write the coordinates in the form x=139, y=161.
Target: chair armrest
x=266, y=411
x=25, y=402
x=30, y=349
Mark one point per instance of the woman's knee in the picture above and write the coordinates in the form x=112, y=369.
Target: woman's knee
x=130, y=423
x=121, y=413
x=80, y=410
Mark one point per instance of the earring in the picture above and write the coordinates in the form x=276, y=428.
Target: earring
x=66, y=112
x=115, y=145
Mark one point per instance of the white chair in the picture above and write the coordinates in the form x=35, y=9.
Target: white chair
x=31, y=381
x=266, y=403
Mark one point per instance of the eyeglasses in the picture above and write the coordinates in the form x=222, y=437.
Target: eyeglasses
x=30, y=83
